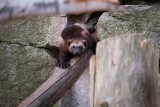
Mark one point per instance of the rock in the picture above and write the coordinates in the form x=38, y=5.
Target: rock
x=78, y=95
x=25, y=63
x=128, y=20
x=22, y=70
x=34, y=31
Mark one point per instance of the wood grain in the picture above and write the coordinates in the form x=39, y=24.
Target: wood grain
x=126, y=72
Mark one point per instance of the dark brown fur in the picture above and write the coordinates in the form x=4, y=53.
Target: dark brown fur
x=74, y=32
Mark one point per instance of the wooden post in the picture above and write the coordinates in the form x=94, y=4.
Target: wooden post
x=126, y=73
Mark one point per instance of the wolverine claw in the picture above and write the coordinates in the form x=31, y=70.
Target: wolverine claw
x=64, y=65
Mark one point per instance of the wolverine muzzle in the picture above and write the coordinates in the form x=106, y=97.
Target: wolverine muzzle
x=77, y=50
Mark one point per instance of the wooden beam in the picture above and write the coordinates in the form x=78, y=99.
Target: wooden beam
x=11, y=9
x=57, y=84
x=126, y=72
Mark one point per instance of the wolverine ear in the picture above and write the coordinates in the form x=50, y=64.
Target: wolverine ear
x=92, y=29
x=85, y=42
x=85, y=33
x=69, y=42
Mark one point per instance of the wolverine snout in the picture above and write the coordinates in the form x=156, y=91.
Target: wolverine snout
x=78, y=50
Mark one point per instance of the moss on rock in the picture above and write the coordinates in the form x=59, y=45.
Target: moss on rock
x=25, y=62
x=35, y=31
x=128, y=20
x=22, y=70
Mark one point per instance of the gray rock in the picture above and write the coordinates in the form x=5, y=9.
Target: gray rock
x=128, y=20
x=25, y=62
x=34, y=31
x=78, y=95
x=22, y=70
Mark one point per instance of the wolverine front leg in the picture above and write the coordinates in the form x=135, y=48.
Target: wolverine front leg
x=63, y=60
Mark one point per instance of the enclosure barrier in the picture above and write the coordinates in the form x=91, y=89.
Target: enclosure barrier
x=124, y=73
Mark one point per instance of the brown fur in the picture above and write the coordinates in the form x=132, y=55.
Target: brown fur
x=77, y=34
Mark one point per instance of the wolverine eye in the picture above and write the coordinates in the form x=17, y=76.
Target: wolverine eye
x=80, y=47
x=74, y=47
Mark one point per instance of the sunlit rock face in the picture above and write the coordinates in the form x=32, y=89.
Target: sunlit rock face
x=25, y=61
x=128, y=20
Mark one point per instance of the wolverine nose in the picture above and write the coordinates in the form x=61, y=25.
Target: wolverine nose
x=77, y=51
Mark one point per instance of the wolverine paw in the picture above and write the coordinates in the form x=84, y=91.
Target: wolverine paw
x=64, y=65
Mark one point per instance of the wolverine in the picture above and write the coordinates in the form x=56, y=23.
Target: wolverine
x=75, y=40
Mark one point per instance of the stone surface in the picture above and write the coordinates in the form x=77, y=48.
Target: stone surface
x=34, y=31
x=25, y=63
x=78, y=95
x=140, y=19
x=22, y=70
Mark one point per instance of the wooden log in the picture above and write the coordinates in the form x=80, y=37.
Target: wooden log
x=57, y=84
x=11, y=9
x=126, y=73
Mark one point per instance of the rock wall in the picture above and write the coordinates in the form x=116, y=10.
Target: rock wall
x=25, y=62
x=128, y=20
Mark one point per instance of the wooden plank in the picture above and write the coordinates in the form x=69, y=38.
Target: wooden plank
x=11, y=9
x=126, y=72
x=57, y=84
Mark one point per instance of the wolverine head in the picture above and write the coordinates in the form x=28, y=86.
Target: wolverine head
x=77, y=47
